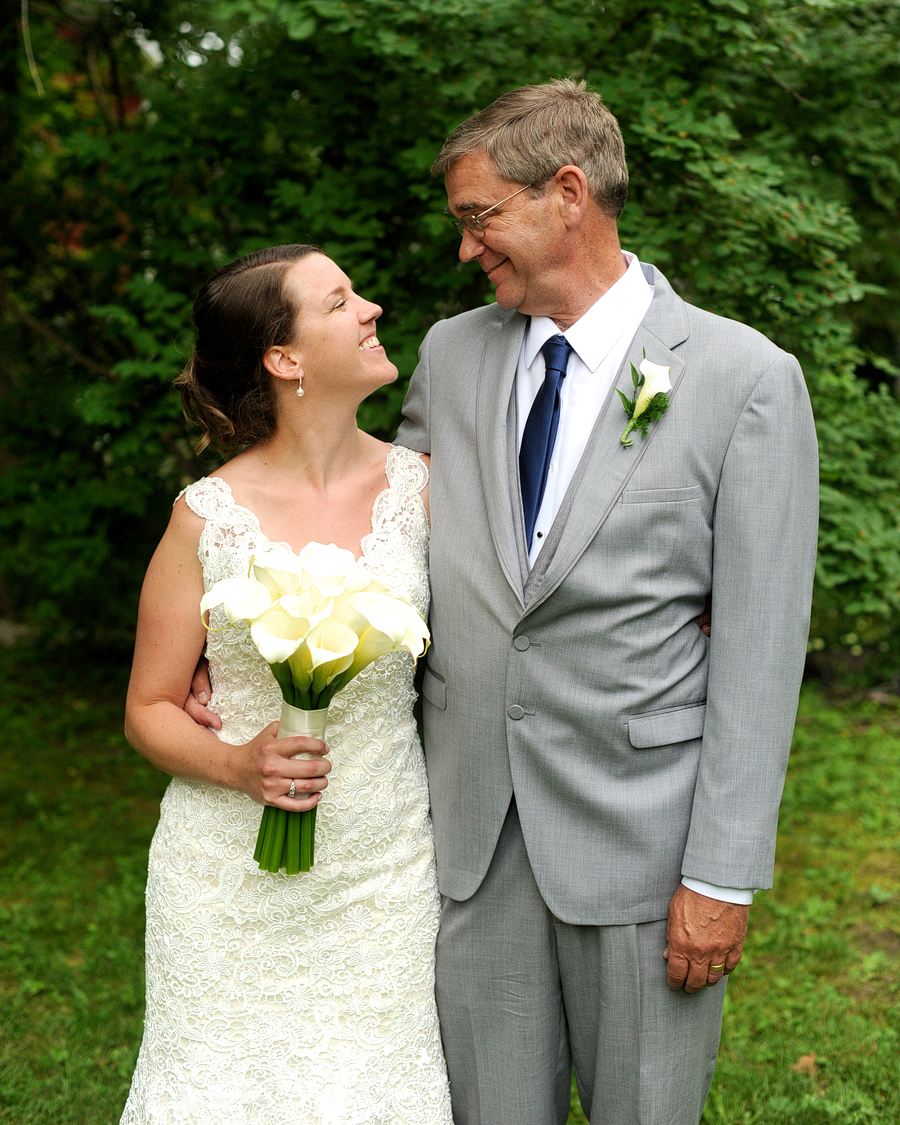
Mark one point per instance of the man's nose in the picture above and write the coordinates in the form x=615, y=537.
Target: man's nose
x=470, y=247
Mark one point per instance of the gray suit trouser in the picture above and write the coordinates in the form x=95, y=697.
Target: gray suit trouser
x=523, y=996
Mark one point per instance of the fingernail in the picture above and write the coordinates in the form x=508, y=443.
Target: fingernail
x=203, y=698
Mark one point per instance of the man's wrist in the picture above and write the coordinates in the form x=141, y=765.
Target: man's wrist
x=740, y=896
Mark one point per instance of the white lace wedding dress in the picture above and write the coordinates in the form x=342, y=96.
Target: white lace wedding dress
x=299, y=999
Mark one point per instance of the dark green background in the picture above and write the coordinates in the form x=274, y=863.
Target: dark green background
x=763, y=144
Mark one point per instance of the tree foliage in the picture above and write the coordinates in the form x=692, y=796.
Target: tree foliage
x=173, y=136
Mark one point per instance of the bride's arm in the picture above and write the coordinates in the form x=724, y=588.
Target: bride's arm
x=170, y=638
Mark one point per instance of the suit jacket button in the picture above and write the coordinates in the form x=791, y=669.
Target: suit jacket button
x=516, y=712
x=522, y=644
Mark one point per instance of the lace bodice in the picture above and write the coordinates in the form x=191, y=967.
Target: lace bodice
x=276, y=999
x=245, y=695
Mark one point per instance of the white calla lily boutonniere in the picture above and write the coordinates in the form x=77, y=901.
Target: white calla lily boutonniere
x=651, y=399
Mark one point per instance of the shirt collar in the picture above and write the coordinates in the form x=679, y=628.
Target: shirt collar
x=605, y=322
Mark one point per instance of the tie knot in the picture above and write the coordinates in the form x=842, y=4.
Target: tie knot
x=556, y=354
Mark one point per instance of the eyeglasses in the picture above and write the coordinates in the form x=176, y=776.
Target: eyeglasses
x=474, y=224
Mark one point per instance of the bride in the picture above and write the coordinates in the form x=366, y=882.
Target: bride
x=285, y=999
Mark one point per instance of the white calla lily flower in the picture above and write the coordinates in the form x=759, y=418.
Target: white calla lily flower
x=277, y=634
x=345, y=613
x=372, y=644
x=243, y=599
x=325, y=567
x=308, y=605
x=395, y=618
x=331, y=651
x=279, y=572
x=656, y=381
x=359, y=579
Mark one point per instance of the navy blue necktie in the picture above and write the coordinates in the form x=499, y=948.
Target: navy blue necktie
x=539, y=434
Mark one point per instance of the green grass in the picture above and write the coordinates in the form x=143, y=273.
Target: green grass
x=78, y=811
x=812, y=1025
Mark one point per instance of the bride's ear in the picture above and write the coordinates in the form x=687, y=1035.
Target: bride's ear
x=283, y=362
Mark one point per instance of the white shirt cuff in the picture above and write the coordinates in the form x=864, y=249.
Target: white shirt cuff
x=738, y=895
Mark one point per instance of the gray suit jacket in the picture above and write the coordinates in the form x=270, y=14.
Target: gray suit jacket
x=637, y=749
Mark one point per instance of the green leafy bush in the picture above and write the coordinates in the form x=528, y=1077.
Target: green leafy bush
x=172, y=137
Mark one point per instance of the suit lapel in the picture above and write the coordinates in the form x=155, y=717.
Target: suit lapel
x=496, y=440
x=607, y=465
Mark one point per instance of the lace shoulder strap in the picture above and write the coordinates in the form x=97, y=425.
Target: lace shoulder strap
x=407, y=473
x=209, y=497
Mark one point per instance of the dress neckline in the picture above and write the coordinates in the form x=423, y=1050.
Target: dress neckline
x=281, y=545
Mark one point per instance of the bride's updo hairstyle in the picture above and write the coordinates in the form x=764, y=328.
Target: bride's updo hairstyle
x=239, y=314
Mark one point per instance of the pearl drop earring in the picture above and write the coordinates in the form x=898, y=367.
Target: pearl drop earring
x=300, y=386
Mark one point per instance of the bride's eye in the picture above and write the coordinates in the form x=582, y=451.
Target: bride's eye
x=340, y=304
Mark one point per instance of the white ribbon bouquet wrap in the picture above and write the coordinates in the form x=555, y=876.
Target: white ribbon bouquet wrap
x=317, y=619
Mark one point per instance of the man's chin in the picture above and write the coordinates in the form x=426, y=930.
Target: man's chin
x=506, y=297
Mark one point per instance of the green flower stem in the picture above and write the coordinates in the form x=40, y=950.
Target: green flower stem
x=292, y=844
x=285, y=840
x=265, y=861
x=625, y=439
x=266, y=828
x=275, y=841
x=282, y=674
x=261, y=836
x=307, y=839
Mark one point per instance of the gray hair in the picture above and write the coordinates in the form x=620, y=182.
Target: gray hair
x=531, y=132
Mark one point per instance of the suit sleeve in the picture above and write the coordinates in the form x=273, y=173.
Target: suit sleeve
x=764, y=546
x=415, y=429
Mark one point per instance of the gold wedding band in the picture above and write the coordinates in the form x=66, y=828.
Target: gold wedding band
x=717, y=968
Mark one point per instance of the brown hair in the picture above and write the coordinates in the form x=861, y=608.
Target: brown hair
x=239, y=314
x=531, y=132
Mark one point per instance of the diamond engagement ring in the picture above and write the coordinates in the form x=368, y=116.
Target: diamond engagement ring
x=292, y=792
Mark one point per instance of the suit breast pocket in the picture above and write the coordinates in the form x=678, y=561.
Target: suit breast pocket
x=661, y=495
x=656, y=532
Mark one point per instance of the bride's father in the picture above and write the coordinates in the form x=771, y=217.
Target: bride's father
x=605, y=780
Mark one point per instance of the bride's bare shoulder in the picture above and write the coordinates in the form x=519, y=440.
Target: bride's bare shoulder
x=376, y=449
x=240, y=469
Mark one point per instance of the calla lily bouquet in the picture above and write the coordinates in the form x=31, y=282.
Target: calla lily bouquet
x=318, y=619
x=651, y=399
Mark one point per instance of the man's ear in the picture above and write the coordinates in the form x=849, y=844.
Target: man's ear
x=283, y=361
x=571, y=187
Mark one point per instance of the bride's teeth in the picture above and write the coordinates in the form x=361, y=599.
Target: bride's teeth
x=372, y=342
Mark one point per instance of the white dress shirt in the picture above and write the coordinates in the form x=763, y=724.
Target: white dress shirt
x=600, y=340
